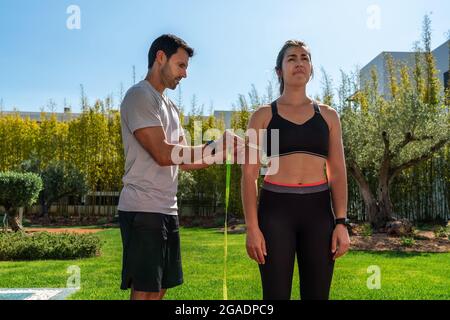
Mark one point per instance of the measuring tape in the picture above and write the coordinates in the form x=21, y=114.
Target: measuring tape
x=227, y=198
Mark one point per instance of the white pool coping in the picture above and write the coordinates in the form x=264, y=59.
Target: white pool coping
x=42, y=293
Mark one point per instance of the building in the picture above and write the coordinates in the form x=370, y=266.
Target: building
x=441, y=56
x=219, y=114
x=67, y=115
x=225, y=115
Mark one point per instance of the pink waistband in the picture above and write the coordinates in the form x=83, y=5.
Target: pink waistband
x=297, y=185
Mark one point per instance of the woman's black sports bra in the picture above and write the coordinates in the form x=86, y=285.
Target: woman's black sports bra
x=311, y=137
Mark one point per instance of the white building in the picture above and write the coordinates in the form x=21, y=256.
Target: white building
x=441, y=56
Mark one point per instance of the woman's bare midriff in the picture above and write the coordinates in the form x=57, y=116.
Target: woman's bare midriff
x=297, y=168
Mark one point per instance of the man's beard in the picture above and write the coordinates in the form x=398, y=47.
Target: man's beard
x=168, y=80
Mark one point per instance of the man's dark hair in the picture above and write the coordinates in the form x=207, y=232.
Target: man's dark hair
x=169, y=44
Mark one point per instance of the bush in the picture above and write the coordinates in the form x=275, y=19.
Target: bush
x=407, y=241
x=219, y=221
x=441, y=232
x=102, y=221
x=196, y=222
x=26, y=222
x=366, y=230
x=45, y=246
x=18, y=190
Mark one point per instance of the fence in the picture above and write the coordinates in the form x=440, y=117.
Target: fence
x=421, y=193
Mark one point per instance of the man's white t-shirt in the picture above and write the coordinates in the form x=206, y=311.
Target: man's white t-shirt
x=148, y=187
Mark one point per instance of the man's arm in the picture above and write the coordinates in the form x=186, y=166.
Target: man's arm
x=188, y=167
x=154, y=141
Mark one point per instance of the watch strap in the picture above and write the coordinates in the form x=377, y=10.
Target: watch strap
x=343, y=221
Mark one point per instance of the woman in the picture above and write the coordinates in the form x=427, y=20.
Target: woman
x=295, y=213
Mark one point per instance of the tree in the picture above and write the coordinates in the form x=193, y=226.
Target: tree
x=432, y=87
x=18, y=190
x=268, y=97
x=387, y=137
x=255, y=100
x=327, y=85
x=186, y=186
x=59, y=179
x=83, y=98
x=17, y=140
x=446, y=85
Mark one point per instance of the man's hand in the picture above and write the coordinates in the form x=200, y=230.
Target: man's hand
x=230, y=143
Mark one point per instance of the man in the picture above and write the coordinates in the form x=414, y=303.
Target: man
x=154, y=142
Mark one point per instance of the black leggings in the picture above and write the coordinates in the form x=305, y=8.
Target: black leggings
x=296, y=220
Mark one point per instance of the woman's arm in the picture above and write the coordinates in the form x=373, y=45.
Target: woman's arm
x=336, y=169
x=337, y=177
x=256, y=247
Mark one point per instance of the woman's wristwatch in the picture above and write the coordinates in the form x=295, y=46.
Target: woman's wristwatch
x=343, y=221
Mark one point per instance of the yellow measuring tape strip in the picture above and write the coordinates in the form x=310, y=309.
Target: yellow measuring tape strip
x=225, y=230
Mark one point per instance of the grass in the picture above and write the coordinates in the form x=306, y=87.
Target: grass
x=403, y=275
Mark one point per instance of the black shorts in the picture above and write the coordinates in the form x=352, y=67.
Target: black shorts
x=151, y=251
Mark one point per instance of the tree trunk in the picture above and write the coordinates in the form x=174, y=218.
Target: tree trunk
x=370, y=203
x=13, y=220
x=44, y=212
x=44, y=209
x=372, y=208
x=385, y=208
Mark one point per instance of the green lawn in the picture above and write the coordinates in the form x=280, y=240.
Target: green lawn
x=403, y=275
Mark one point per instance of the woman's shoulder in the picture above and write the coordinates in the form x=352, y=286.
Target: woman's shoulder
x=262, y=115
x=330, y=114
x=263, y=109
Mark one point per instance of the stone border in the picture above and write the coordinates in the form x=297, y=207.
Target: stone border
x=41, y=294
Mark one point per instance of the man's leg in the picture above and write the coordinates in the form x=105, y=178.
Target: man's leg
x=162, y=293
x=146, y=257
x=141, y=295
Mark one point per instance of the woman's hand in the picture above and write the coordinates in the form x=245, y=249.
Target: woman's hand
x=340, y=242
x=256, y=245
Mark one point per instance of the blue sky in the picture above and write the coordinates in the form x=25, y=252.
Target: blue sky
x=236, y=43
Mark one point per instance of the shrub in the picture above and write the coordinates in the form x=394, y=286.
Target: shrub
x=18, y=190
x=102, y=220
x=366, y=230
x=407, y=241
x=441, y=232
x=45, y=246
